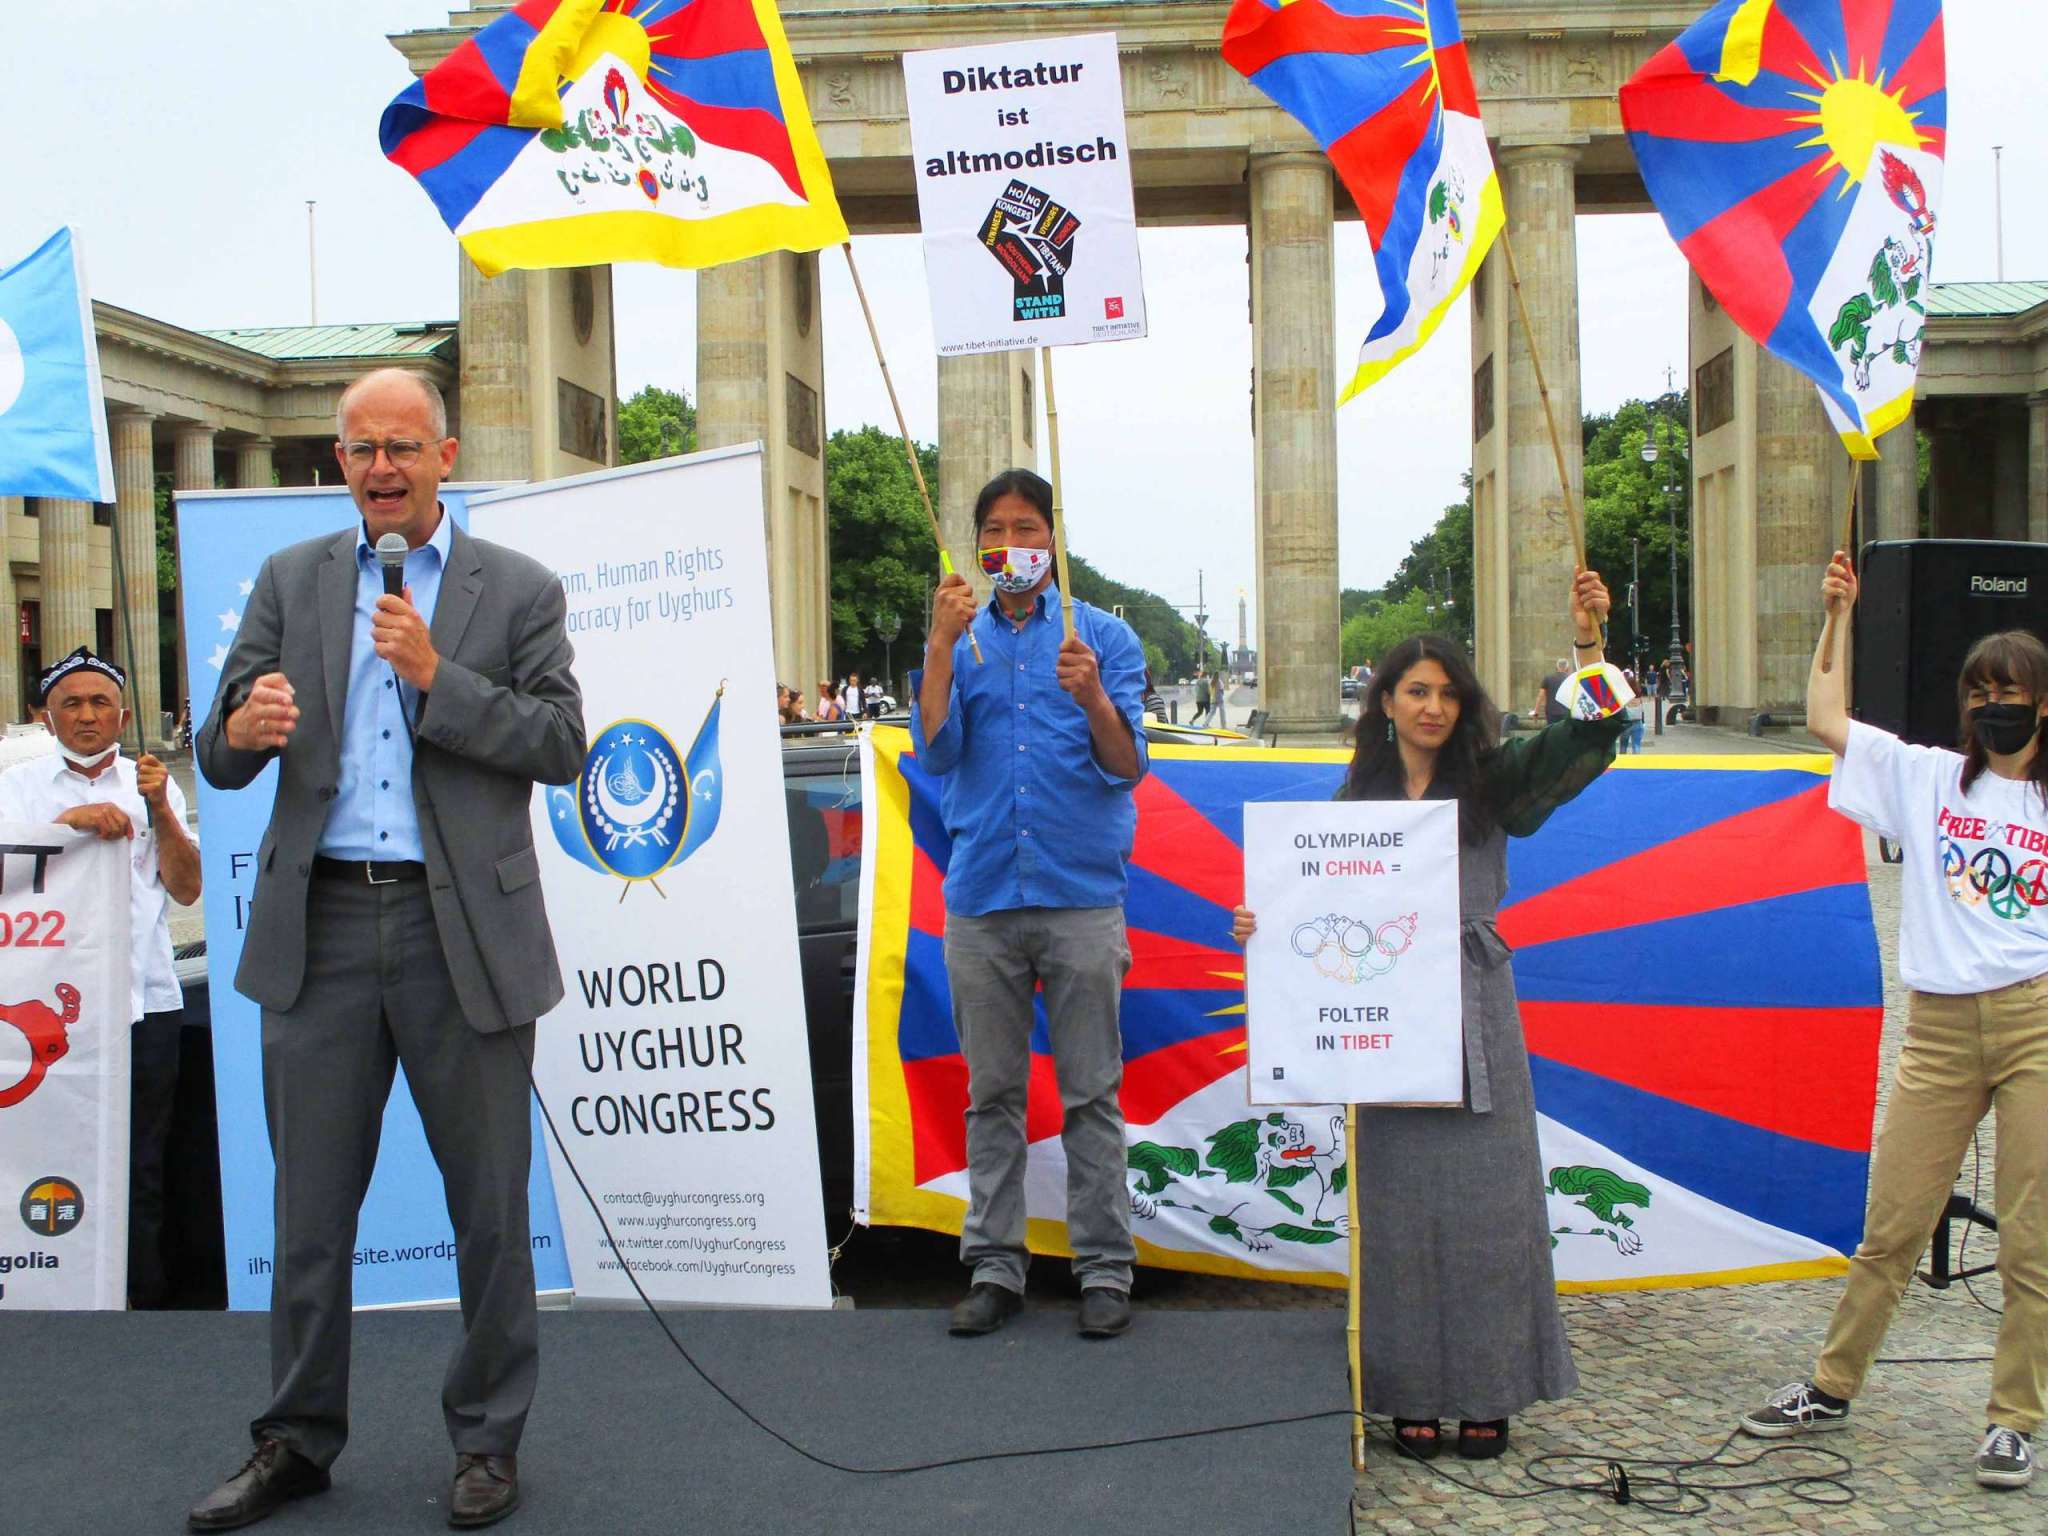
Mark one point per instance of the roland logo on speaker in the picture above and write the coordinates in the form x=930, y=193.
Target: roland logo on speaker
x=1998, y=586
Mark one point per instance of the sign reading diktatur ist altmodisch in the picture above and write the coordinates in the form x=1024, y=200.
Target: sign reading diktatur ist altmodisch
x=1024, y=192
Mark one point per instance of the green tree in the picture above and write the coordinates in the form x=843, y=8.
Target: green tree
x=1172, y=644
x=883, y=559
x=649, y=417
x=1633, y=511
x=1384, y=623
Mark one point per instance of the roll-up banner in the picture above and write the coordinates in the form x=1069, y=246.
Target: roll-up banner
x=64, y=1018
x=677, y=1070
x=405, y=1247
x=1023, y=171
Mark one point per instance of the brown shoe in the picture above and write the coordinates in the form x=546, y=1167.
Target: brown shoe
x=486, y=1490
x=272, y=1477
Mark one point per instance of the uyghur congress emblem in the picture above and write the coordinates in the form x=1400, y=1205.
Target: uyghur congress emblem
x=640, y=805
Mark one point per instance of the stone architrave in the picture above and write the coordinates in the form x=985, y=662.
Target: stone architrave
x=986, y=406
x=1538, y=185
x=1897, y=513
x=135, y=630
x=761, y=378
x=11, y=701
x=1295, y=440
x=64, y=529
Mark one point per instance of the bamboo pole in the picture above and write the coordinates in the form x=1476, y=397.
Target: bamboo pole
x=1059, y=521
x=1848, y=547
x=1354, y=1303
x=1564, y=480
x=903, y=430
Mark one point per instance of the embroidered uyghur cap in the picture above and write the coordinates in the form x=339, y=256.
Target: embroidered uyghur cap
x=81, y=659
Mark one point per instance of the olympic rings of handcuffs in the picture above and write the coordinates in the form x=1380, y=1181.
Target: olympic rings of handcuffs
x=1357, y=942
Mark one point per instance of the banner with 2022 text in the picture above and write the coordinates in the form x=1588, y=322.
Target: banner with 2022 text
x=64, y=1006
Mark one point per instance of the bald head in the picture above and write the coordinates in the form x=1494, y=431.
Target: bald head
x=382, y=382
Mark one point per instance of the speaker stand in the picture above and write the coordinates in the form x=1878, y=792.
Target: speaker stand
x=1939, y=1274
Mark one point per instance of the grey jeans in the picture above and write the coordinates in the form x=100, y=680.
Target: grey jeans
x=996, y=964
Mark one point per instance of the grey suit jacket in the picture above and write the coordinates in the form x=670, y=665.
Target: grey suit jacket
x=504, y=713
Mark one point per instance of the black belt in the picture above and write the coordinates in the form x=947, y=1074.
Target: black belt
x=369, y=871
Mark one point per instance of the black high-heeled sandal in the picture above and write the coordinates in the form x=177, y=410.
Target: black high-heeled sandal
x=1420, y=1438
x=1474, y=1445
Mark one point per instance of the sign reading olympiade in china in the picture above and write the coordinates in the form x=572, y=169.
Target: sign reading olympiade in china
x=1352, y=983
x=1024, y=191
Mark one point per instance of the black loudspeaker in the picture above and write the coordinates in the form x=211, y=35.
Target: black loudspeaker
x=1925, y=602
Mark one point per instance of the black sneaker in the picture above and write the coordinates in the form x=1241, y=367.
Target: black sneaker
x=1794, y=1410
x=2005, y=1459
x=984, y=1309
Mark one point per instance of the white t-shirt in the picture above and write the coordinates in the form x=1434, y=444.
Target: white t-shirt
x=1975, y=882
x=42, y=790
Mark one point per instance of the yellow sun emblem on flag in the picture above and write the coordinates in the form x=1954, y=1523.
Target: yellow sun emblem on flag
x=1855, y=114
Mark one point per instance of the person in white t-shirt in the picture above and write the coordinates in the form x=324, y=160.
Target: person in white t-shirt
x=1973, y=949
x=89, y=785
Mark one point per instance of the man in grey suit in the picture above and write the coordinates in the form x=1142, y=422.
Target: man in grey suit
x=397, y=917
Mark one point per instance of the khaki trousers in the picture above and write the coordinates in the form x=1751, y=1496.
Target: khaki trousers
x=1963, y=1055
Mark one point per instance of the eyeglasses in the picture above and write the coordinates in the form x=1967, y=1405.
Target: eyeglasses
x=403, y=452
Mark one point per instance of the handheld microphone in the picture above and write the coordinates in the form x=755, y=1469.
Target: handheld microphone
x=391, y=553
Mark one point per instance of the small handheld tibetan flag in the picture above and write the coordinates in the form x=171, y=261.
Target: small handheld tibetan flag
x=1386, y=88
x=53, y=422
x=577, y=132
x=1794, y=148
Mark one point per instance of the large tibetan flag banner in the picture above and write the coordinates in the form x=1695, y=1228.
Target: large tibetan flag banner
x=1700, y=994
x=1386, y=88
x=577, y=132
x=1794, y=148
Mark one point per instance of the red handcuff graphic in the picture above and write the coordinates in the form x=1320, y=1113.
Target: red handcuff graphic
x=47, y=1039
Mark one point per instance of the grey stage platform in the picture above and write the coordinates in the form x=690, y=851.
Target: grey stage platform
x=117, y=1421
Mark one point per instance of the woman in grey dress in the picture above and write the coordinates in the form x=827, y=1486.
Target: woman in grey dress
x=1460, y=1314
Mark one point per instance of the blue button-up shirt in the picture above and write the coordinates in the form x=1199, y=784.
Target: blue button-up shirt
x=1036, y=820
x=372, y=816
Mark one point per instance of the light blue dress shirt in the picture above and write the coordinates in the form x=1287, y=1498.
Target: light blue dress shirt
x=1035, y=819
x=373, y=816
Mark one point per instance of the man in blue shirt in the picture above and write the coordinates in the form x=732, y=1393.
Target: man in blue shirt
x=1037, y=747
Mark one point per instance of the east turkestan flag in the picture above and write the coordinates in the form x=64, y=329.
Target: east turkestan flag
x=1794, y=148
x=53, y=420
x=1386, y=88
x=577, y=132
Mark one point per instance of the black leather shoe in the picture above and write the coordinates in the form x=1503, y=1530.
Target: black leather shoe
x=272, y=1477
x=486, y=1490
x=984, y=1309
x=1104, y=1313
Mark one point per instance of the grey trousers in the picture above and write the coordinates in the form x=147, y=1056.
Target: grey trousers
x=996, y=963
x=377, y=993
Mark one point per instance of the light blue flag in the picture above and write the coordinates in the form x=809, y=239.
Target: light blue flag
x=53, y=421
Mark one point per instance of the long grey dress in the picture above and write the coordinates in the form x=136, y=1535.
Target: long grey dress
x=1459, y=1310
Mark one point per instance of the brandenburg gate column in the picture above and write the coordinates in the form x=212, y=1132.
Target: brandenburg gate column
x=64, y=530
x=988, y=411
x=1802, y=488
x=1897, y=513
x=2037, y=468
x=135, y=517
x=1294, y=426
x=761, y=377
x=1522, y=541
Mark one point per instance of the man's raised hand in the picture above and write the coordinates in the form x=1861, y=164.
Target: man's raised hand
x=953, y=608
x=267, y=717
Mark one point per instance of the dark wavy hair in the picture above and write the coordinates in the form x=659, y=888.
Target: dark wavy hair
x=1376, y=772
x=2012, y=658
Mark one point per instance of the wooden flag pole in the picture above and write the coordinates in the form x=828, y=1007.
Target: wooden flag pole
x=903, y=430
x=1848, y=547
x=1354, y=1301
x=1571, y=511
x=1059, y=521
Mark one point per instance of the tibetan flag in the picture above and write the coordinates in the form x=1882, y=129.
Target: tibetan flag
x=1700, y=993
x=573, y=133
x=53, y=420
x=1386, y=88
x=1795, y=150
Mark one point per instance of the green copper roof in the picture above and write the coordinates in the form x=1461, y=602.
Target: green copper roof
x=287, y=342
x=1962, y=301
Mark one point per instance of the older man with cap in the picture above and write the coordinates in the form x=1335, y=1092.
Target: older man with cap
x=87, y=784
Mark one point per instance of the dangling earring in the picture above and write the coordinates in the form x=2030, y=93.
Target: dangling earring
x=1390, y=730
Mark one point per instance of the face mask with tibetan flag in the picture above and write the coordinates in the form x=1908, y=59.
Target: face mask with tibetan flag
x=1015, y=570
x=1794, y=148
x=571, y=133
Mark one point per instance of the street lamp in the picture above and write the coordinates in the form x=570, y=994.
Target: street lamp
x=1677, y=652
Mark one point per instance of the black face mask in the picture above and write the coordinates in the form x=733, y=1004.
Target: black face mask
x=2003, y=729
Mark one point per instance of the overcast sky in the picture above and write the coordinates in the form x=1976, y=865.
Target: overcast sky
x=184, y=137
